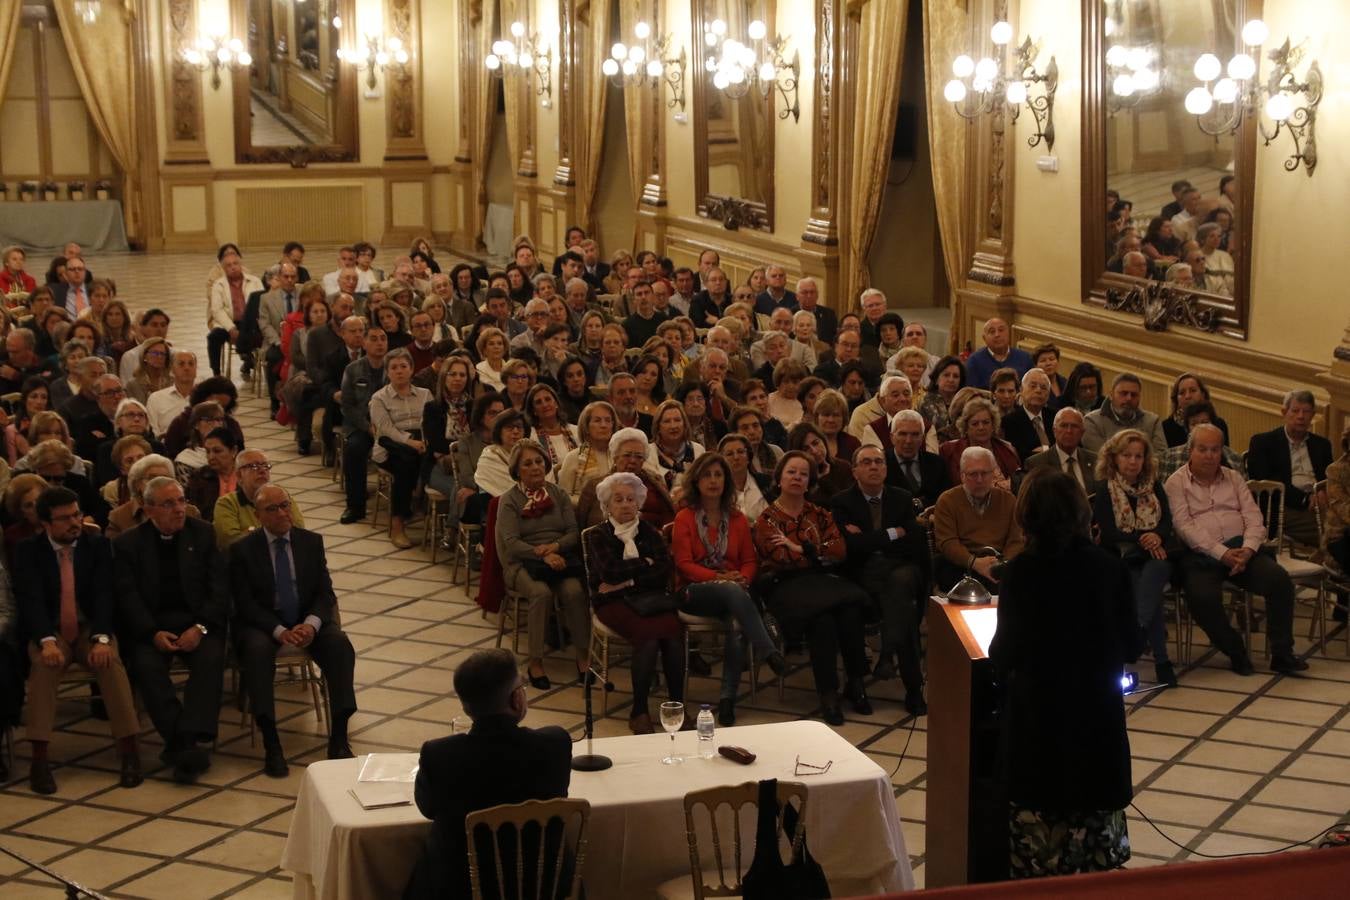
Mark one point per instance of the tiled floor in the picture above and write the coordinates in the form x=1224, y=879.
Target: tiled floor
x=1223, y=764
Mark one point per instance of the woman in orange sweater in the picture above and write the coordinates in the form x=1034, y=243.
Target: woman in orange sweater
x=715, y=558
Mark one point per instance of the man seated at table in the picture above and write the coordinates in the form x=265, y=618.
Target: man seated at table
x=973, y=516
x=498, y=761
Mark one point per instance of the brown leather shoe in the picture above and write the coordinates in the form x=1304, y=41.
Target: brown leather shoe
x=131, y=770
x=641, y=724
x=40, y=778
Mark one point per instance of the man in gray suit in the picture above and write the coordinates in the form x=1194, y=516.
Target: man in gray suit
x=1068, y=455
x=273, y=308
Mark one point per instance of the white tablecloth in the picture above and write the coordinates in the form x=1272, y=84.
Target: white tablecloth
x=48, y=225
x=339, y=851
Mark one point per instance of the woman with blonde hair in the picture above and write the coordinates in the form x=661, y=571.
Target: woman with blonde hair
x=153, y=373
x=671, y=450
x=829, y=413
x=118, y=335
x=595, y=427
x=492, y=349
x=1135, y=522
x=978, y=426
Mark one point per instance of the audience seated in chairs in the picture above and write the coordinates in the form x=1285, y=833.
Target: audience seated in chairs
x=978, y=425
x=628, y=452
x=1201, y=413
x=1218, y=520
x=537, y=542
x=284, y=599
x=130, y=420
x=205, y=418
x=236, y=513
x=1068, y=454
x=797, y=541
x=1187, y=390
x=975, y=515
x=173, y=602
x=715, y=561
x=628, y=567
x=1121, y=411
x=132, y=513
x=68, y=614
x=360, y=381
x=493, y=472
x=1298, y=459
x=219, y=477
x=595, y=426
x=217, y=390
x=1028, y=427
x=909, y=466
x=21, y=496
x=122, y=455
x=396, y=420
x=498, y=761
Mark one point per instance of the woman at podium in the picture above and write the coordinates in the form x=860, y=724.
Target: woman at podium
x=1066, y=629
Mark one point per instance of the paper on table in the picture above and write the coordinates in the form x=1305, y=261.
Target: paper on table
x=379, y=794
x=389, y=767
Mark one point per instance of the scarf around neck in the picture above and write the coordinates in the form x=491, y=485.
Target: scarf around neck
x=627, y=534
x=1146, y=512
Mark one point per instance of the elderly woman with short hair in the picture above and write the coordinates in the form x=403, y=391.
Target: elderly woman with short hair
x=629, y=568
x=628, y=452
x=59, y=465
x=123, y=454
x=538, y=545
x=130, y=418
x=205, y=418
x=978, y=425
x=131, y=513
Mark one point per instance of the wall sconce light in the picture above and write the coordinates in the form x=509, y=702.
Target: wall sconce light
x=215, y=51
x=647, y=62
x=524, y=54
x=1131, y=74
x=379, y=53
x=991, y=85
x=761, y=63
x=1221, y=106
x=88, y=10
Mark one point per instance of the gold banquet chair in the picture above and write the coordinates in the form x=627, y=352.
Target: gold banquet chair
x=1302, y=572
x=554, y=829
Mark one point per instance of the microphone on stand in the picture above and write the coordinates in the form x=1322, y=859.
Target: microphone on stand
x=588, y=761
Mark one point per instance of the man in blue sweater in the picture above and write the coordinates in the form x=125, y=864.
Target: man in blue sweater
x=996, y=353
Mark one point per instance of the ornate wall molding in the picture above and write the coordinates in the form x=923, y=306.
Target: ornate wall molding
x=1162, y=305
x=184, y=125
x=570, y=59
x=821, y=227
x=735, y=213
x=403, y=20
x=990, y=176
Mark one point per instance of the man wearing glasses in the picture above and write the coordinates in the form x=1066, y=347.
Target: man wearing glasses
x=173, y=604
x=498, y=761
x=973, y=516
x=67, y=615
x=284, y=599
x=236, y=514
x=536, y=320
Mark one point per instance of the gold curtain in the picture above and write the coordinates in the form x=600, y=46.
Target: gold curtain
x=881, y=51
x=588, y=142
x=946, y=27
x=9, y=37
x=482, y=22
x=101, y=55
x=513, y=88
x=639, y=118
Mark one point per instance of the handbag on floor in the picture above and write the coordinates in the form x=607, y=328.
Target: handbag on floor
x=768, y=877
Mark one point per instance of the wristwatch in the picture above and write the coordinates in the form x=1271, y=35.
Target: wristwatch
x=200, y=627
x=101, y=639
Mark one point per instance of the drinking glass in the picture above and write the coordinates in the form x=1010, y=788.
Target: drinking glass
x=672, y=720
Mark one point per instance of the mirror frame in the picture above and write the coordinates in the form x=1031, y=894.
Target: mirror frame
x=733, y=212
x=1233, y=313
x=345, y=146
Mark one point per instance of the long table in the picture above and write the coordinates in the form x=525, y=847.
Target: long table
x=337, y=850
x=48, y=225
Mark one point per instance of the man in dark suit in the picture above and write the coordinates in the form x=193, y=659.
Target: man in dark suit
x=72, y=294
x=498, y=761
x=284, y=599
x=1029, y=425
x=63, y=587
x=94, y=427
x=1297, y=458
x=173, y=602
x=594, y=271
x=353, y=334
x=808, y=298
x=910, y=467
x=887, y=555
x=275, y=305
x=1068, y=455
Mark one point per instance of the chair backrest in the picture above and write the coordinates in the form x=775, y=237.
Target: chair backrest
x=454, y=461
x=1319, y=514
x=553, y=828
x=704, y=804
x=587, y=535
x=1269, y=496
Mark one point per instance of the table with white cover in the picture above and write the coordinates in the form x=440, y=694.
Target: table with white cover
x=339, y=851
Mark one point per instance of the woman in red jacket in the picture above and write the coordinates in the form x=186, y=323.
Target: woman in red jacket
x=13, y=279
x=715, y=558
x=978, y=426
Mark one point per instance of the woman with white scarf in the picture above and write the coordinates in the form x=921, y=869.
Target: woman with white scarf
x=1132, y=513
x=629, y=568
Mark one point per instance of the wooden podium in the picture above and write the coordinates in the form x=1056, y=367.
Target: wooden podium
x=967, y=820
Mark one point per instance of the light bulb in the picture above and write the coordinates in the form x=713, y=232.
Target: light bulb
x=193, y=56
x=245, y=58
x=710, y=39
x=1136, y=58
x=1109, y=27
x=223, y=55
x=637, y=54
x=1208, y=67
x=395, y=44
x=963, y=66
x=337, y=22
x=619, y=51
x=1280, y=106
x=747, y=58
x=1116, y=56
x=1199, y=102
x=757, y=30
x=610, y=67
x=1241, y=67
x=981, y=85
x=1254, y=33
x=518, y=29
x=719, y=27
x=1225, y=90
x=526, y=60
x=986, y=69
x=654, y=68
x=720, y=81
x=710, y=64
x=236, y=45
x=492, y=62
x=642, y=30
x=1001, y=33
x=1146, y=80
x=1122, y=86
x=629, y=67
x=736, y=75
x=767, y=72
x=1016, y=92
x=382, y=59
x=955, y=91
x=500, y=47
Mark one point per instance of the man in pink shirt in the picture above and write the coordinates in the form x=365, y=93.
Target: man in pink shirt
x=1218, y=520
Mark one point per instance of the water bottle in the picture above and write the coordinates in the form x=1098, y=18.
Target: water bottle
x=706, y=749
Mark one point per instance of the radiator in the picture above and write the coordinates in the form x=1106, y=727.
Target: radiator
x=326, y=214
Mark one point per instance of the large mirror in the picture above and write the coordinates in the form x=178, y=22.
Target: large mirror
x=296, y=103
x=733, y=126
x=1164, y=200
